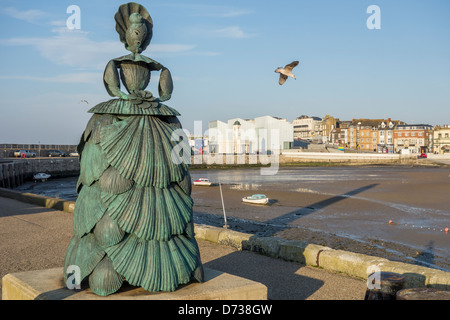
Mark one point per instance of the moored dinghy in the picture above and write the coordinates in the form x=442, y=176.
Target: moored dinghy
x=41, y=176
x=202, y=182
x=256, y=199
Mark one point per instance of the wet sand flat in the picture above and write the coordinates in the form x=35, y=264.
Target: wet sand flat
x=340, y=207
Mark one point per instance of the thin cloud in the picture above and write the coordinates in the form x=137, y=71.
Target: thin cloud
x=75, y=48
x=214, y=11
x=82, y=77
x=170, y=47
x=31, y=16
x=234, y=32
x=71, y=49
x=224, y=13
x=235, y=13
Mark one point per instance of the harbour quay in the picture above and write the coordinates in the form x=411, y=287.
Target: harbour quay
x=7, y=150
x=14, y=172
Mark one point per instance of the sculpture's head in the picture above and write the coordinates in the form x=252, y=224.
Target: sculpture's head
x=134, y=25
x=136, y=33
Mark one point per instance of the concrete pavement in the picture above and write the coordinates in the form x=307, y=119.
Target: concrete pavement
x=34, y=238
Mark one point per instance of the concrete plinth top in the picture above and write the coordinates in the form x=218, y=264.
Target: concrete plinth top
x=48, y=285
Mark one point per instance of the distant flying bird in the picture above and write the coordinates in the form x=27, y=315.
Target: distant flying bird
x=286, y=72
x=84, y=101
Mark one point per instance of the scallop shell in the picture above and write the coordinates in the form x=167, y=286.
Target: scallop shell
x=107, y=231
x=122, y=18
x=111, y=77
x=92, y=164
x=134, y=75
x=151, y=213
x=155, y=265
x=165, y=86
x=90, y=126
x=104, y=280
x=186, y=184
x=97, y=121
x=88, y=210
x=84, y=253
x=112, y=182
x=140, y=148
x=173, y=121
x=119, y=106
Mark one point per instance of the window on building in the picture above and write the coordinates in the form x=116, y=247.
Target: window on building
x=446, y=135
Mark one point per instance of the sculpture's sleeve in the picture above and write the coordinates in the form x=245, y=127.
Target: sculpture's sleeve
x=111, y=80
x=165, y=87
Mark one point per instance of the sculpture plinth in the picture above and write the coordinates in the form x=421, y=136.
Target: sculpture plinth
x=48, y=285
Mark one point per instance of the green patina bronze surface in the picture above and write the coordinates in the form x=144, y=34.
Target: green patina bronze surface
x=133, y=217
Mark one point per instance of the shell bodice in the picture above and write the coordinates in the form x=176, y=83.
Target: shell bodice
x=135, y=75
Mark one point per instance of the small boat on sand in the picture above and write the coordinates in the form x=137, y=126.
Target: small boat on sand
x=41, y=176
x=202, y=182
x=256, y=199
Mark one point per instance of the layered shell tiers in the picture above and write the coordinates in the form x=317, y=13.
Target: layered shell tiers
x=133, y=217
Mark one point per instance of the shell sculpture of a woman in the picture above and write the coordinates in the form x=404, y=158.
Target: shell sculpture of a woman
x=133, y=218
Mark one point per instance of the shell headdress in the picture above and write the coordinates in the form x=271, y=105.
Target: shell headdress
x=122, y=18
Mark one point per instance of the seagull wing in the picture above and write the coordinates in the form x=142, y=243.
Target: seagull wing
x=282, y=79
x=291, y=65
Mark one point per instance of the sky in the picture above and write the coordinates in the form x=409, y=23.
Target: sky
x=222, y=56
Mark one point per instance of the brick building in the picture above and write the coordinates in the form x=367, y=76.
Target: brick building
x=417, y=138
x=372, y=135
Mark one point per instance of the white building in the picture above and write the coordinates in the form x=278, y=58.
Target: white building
x=261, y=135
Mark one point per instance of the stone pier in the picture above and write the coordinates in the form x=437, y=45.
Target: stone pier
x=14, y=173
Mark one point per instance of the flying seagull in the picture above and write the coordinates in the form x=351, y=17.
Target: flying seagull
x=286, y=72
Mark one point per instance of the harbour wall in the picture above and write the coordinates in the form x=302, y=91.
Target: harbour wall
x=7, y=149
x=14, y=173
x=291, y=157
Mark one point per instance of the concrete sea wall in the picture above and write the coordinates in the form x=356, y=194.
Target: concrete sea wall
x=290, y=157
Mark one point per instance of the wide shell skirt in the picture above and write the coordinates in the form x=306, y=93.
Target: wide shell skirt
x=133, y=217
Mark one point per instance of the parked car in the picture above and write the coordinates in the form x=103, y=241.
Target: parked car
x=56, y=153
x=73, y=154
x=422, y=155
x=24, y=154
